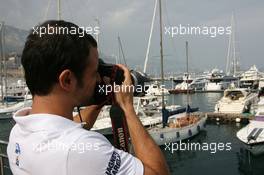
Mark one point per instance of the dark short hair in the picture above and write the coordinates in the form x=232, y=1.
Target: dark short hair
x=45, y=56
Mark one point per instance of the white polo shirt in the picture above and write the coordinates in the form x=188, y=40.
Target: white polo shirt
x=46, y=144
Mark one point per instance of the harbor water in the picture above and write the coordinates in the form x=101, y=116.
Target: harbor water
x=232, y=161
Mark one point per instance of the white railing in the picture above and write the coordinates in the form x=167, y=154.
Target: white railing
x=3, y=145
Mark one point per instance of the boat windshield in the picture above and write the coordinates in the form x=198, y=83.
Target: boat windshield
x=234, y=95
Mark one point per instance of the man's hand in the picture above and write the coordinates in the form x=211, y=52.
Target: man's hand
x=124, y=94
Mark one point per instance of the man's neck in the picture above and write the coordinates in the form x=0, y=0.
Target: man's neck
x=52, y=105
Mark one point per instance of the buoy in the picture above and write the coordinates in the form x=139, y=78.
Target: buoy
x=238, y=120
x=217, y=119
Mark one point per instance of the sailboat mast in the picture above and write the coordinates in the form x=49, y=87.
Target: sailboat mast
x=161, y=54
x=234, y=47
x=121, y=49
x=97, y=36
x=1, y=61
x=59, y=9
x=149, y=42
x=150, y=36
x=187, y=69
x=187, y=59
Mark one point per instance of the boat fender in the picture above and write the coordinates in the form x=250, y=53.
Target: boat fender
x=238, y=120
x=177, y=134
x=190, y=132
x=198, y=128
x=161, y=136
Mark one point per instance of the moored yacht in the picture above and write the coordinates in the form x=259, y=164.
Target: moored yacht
x=156, y=89
x=103, y=124
x=236, y=100
x=250, y=79
x=252, y=135
x=178, y=127
x=183, y=87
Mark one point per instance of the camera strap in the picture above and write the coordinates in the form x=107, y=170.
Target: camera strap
x=118, y=120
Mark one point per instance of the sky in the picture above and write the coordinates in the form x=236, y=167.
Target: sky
x=131, y=20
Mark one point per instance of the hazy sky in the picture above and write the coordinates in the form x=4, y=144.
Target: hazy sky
x=131, y=19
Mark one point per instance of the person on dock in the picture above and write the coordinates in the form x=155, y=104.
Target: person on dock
x=61, y=73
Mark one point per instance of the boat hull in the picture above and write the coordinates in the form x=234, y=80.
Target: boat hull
x=181, y=91
x=169, y=135
x=252, y=137
x=256, y=150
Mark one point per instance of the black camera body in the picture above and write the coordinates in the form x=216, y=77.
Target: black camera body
x=116, y=76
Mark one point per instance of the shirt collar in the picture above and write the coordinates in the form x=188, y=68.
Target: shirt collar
x=42, y=121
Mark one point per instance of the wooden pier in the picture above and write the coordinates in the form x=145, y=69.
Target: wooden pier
x=228, y=117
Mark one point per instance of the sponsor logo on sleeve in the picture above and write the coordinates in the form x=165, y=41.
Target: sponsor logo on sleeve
x=114, y=164
x=18, y=152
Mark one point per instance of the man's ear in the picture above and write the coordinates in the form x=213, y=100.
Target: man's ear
x=67, y=80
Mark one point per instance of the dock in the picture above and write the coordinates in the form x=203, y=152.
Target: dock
x=229, y=117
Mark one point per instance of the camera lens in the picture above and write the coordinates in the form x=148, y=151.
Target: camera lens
x=110, y=70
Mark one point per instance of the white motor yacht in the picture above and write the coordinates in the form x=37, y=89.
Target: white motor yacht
x=103, y=125
x=252, y=135
x=250, y=78
x=236, y=100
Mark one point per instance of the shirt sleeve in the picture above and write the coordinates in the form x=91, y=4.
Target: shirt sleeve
x=95, y=155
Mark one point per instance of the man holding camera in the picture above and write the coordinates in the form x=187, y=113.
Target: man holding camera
x=61, y=73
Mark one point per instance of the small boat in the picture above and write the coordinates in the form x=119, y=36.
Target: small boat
x=156, y=89
x=178, y=127
x=236, y=101
x=13, y=98
x=252, y=135
x=103, y=124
